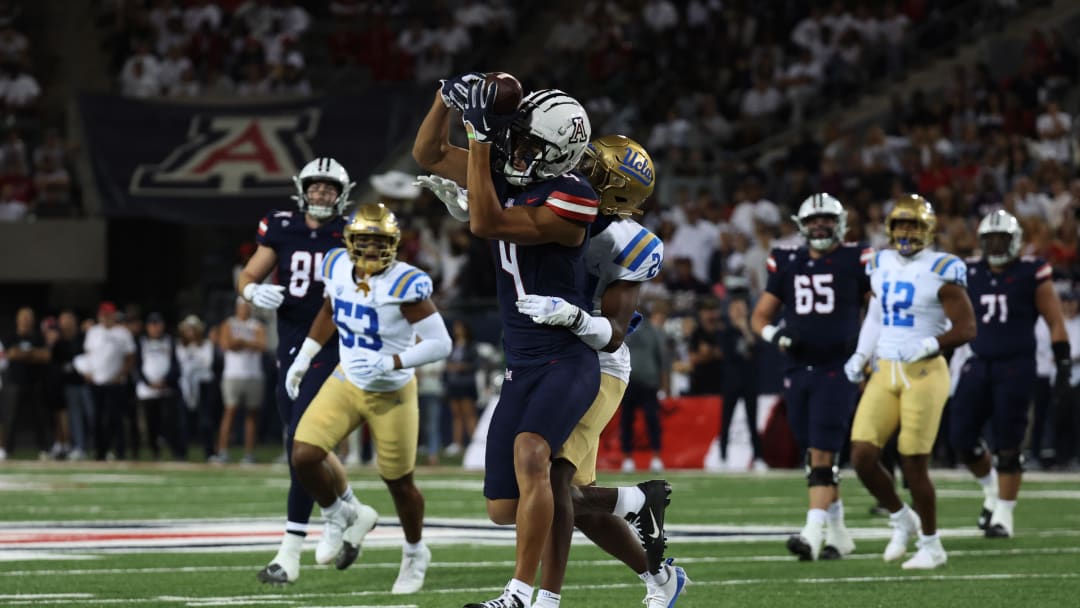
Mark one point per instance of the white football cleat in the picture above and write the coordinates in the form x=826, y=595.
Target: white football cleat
x=366, y=517
x=665, y=596
x=333, y=534
x=905, y=528
x=838, y=542
x=929, y=556
x=410, y=578
x=807, y=544
x=1001, y=523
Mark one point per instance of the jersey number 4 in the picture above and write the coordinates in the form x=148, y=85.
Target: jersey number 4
x=894, y=306
x=814, y=293
x=369, y=336
x=302, y=267
x=995, y=304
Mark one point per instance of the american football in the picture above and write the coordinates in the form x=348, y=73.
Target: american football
x=508, y=95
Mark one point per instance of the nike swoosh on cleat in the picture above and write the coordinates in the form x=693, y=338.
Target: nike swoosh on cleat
x=655, y=528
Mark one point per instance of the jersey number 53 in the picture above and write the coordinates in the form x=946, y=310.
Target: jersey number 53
x=368, y=337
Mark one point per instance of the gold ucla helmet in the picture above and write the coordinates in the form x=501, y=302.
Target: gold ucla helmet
x=621, y=172
x=917, y=209
x=371, y=237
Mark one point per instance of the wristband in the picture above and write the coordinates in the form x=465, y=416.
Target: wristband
x=1061, y=353
x=309, y=349
x=769, y=332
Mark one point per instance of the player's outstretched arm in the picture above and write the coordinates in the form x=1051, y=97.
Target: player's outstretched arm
x=605, y=332
x=432, y=149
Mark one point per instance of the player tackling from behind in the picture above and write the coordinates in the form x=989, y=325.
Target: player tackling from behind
x=821, y=288
x=918, y=292
x=381, y=308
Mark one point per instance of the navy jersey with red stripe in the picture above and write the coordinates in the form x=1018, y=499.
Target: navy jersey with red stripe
x=1005, y=307
x=549, y=269
x=300, y=252
x=822, y=299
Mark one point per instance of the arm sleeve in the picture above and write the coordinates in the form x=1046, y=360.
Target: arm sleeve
x=434, y=342
x=870, y=330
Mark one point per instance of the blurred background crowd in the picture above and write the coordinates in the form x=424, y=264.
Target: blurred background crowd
x=746, y=108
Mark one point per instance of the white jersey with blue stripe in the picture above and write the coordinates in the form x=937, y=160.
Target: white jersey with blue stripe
x=623, y=251
x=372, y=318
x=906, y=289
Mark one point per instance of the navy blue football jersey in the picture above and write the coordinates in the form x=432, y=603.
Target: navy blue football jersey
x=300, y=252
x=822, y=299
x=549, y=269
x=1004, y=305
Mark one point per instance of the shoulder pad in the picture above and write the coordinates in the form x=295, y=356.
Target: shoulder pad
x=634, y=253
x=873, y=260
x=944, y=262
x=779, y=257
x=410, y=285
x=329, y=260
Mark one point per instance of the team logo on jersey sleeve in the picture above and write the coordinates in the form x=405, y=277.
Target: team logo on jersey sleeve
x=237, y=155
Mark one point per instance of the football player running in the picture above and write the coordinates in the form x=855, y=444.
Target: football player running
x=380, y=307
x=525, y=198
x=918, y=292
x=821, y=287
x=294, y=245
x=620, y=256
x=997, y=381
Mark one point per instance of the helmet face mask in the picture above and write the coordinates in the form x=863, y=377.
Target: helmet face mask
x=822, y=220
x=910, y=225
x=545, y=140
x=328, y=172
x=371, y=238
x=1000, y=237
x=621, y=172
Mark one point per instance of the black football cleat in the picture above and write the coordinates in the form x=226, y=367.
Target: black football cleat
x=984, y=519
x=649, y=521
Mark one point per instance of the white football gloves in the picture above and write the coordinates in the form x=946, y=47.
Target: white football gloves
x=449, y=192
x=369, y=363
x=855, y=368
x=299, y=366
x=264, y=295
x=549, y=310
x=927, y=347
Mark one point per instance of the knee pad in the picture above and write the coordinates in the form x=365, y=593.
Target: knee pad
x=973, y=454
x=1009, y=461
x=823, y=476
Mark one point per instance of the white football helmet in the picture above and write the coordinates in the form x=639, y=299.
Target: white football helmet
x=1004, y=251
x=821, y=203
x=547, y=138
x=323, y=169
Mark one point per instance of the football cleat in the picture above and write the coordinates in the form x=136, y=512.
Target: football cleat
x=807, y=544
x=506, y=600
x=984, y=518
x=1001, y=523
x=905, y=528
x=353, y=539
x=276, y=574
x=929, y=556
x=838, y=542
x=665, y=596
x=649, y=521
x=410, y=578
x=332, y=538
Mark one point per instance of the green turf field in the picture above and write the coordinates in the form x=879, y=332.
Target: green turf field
x=166, y=535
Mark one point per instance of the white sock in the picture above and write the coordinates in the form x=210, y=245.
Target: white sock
x=927, y=538
x=347, y=495
x=410, y=548
x=521, y=589
x=904, y=510
x=816, y=517
x=1008, y=505
x=291, y=544
x=631, y=500
x=296, y=528
x=989, y=485
x=547, y=599
x=836, y=512
x=657, y=579
x=333, y=508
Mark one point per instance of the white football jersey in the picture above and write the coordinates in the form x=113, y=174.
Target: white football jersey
x=373, y=319
x=906, y=289
x=624, y=251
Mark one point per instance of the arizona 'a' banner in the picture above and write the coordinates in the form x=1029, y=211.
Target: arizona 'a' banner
x=226, y=164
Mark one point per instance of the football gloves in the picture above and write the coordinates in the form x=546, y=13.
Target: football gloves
x=927, y=347
x=549, y=310
x=449, y=192
x=368, y=363
x=855, y=368
x=295, y=374
x=782, y=337
x=264, y=295
x=455, y=91
x=479, y=118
